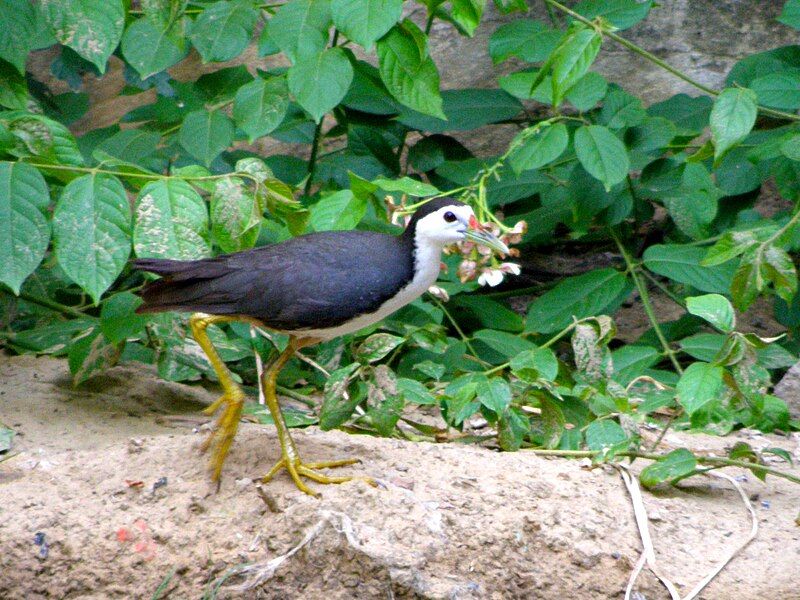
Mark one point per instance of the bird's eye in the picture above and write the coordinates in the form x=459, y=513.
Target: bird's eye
x=449, y=217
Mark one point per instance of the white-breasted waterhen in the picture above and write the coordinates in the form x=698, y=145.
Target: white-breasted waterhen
x=313, y=287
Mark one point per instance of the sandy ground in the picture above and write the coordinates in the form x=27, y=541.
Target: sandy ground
x=449, y=521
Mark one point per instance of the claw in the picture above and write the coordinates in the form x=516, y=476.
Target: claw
x=297, y=469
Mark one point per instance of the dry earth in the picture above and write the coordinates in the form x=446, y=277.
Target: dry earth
x=449, y=521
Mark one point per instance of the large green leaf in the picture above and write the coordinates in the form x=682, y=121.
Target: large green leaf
x=495, y=394
x=235, y=216
x=620, y=13
x=16, y=34
x=573, y=58
x=602, y=154
x=92, y=28
x=779, y=90
x=91, y=231
x=171, y=221
x=300, y=27
x=261, y=105
x=530, y=40
x=465, y=109
x=338, y=211
x=590, y=294
x=683, y=264
x=24, y=232
x=467, y=14
x=534, y=151
x=790, y=15
x=715, y=309
x=604, y=435
x=46, y=139
x=223, y=29
x=320, y=81
x=365, y=21
x=150, y=49
x=678, y=463
x=205, y=134
x=732, y=118
x=700, y=387
x=408, y=72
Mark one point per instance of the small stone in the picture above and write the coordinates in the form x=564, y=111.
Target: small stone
x=135, y=445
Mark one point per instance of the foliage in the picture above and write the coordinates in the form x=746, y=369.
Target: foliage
x=669, y=189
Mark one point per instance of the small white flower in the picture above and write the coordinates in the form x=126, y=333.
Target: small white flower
x=512, y=268
x=439, y=293
x=491, y=277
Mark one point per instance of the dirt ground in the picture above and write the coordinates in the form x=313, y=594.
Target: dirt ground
x=448, y=521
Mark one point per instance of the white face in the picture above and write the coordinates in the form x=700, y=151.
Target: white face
x=445, y=226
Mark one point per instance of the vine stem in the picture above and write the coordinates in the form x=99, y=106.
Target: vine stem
x=715, y=462
x=47, y=303
x=646, y=304
x=657, y=61
x=457, y=327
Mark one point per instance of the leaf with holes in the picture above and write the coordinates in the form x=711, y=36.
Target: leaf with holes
x=92, y=28
x=235, y=217
x=222, y=31
x=675, y=465
x=205, y=134
x=602, y=154
x=408, y=72
x=92, y=231
x=260, y=106
x=365, y=21
x=171, y=221
x=320, y=81
x=24, y=231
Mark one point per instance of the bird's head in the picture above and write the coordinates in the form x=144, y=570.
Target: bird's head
x=445, y=221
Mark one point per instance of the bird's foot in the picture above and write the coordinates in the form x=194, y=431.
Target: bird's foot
x=220, y=439
x=297, y=469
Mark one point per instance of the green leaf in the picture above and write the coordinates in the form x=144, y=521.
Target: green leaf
x=90, y=355
x=377, y=346
x=406, y=185
x=92, y=231
x=779, y=269
x=505, y=344
x=790, y=147
x=732, y=118
x=539, y=149
x=338, y=211
x=319, y=82
x=731, y=245
x=16, y=34
x=387, y=413
x=495, y=394
x=573, y=58
x=790, y=15
x=467, y=14
x=47, y=139
x=530, y=40
x=604, y=435
x=365, y=21
x=118, y=319
x=150, y=49
x=408, y=72
x=587, y=92
x=6, y=435
x=683, y=264
x=700, y=387
x=622, y=14
x=92, y=28
x=532, y=365
x=260, y=106
x=223, y=29
x=205, y=134
x=300, y=27
x=778, y=90
x=414, y=392
x=171, y=221
x=620, y=109
x=690, y=115
x=675, y=465
x=631, y=361
x=235, y=216
x=338, y=404
x=465, y=110
x=52, y=339
x=512, y=427
x=602, y=154
x=597, y=292
x=13, y=95
x=24, y=231
x=715, y=309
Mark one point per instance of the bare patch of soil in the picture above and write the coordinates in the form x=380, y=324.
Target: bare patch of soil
x=449, y=521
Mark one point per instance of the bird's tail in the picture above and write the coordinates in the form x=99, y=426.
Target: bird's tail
x=184, y=286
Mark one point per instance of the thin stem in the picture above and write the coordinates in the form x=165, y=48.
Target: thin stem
x=47, y=303
x=646, y=304
x=284, y=391
x=429, y=23
x=657, y=61
x=713, y=461
x=456, y=326
x=664, y=290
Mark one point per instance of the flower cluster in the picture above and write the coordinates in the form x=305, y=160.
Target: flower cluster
x=479, y=262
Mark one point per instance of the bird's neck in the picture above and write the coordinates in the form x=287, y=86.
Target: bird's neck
x=427, y=259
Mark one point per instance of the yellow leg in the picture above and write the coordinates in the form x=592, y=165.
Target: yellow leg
x=290, y=458
x=232, y=399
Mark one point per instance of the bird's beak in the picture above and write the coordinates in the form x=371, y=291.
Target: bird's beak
x=479, y=235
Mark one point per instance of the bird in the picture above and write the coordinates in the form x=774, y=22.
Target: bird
x=314, y=287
